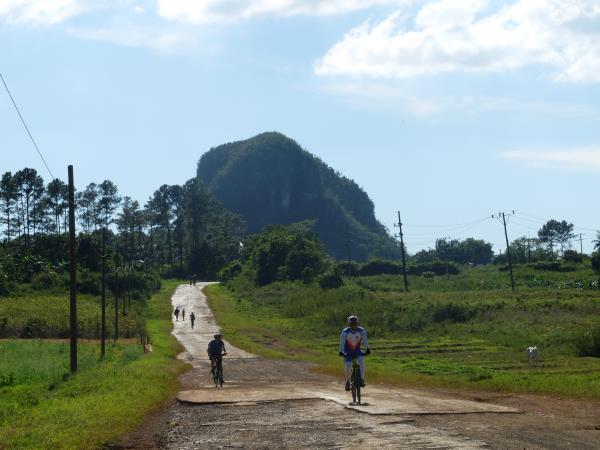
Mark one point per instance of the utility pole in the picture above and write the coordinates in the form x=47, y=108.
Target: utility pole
x=103, y=323
x=72, y=273
x=401, y=236
x=503, y=216
x=116, y=294
x=528, y=251
x=581, y=243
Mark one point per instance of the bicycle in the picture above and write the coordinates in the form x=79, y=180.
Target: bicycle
x=355, y=381
x=218, y=371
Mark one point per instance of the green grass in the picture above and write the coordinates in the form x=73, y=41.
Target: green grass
x=41, y=406
x=32, y=314
x=472, y=339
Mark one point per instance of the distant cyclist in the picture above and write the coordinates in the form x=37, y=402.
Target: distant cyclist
x=216, y=351
x=351, y=340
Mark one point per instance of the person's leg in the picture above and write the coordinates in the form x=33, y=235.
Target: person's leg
x=347, y=369
x=361, y=363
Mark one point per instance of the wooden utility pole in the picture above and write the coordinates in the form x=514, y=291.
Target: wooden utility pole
x=103, y=323
x=72, y=273
x=401, y=236
x=528, y=251
x=116, y=294
x=512, y=279
x=581, y=243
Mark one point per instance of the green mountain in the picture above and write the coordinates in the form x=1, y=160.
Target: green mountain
x=269, y=179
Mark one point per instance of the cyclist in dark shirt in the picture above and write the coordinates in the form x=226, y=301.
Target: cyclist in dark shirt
x=216, y=350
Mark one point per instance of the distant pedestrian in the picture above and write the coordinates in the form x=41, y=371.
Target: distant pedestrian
x=183, y=315
x=176, y=313
x=192, y=319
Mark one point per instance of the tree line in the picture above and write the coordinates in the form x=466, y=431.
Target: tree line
x=180, y=230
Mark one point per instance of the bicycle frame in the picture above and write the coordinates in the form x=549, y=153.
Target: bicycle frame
x=355, y=381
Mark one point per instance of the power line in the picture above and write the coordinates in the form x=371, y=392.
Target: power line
x=25, y=125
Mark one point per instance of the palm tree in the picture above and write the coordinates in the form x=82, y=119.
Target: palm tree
x=597, y=241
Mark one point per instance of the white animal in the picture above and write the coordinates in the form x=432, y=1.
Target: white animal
x=532, y=355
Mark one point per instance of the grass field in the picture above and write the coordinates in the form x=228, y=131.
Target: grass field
x=45, y=314
x=452, y=337
x=42, y=406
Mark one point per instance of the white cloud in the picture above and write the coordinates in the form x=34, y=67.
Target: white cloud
x=202, y=11
x=586, y=159
x=132, y=36
x=38, y=12
x=464, y=35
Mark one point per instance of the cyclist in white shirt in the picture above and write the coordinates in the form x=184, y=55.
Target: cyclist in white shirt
x=352, y=339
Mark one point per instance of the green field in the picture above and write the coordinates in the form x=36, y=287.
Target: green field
x=42, y=406
x=30, y=313
x=441, y=333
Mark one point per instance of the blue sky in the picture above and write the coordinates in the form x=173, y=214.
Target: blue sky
x=449, y=110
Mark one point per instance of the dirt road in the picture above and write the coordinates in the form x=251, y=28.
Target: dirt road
x=281, y=404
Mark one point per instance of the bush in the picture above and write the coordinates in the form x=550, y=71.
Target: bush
x=572, y=256
x=230, y=271
x=380, y=267
x=428, y=274
x=4, y=285
x=437, y=267
x=453, y=312
x=88, y=283
x=42, y=280
x=349, y=268
x=332, y=279
x=551, y=266
x=596, y=262
x=587, y=343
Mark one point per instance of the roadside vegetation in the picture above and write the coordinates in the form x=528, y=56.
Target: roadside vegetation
x=42, y=406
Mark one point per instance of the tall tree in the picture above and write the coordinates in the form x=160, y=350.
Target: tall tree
x=88, y=211
x=8, y=196
x=555, y=232
x=597, y=241
x=30, y=187
x=57, y=193
x=108, y=201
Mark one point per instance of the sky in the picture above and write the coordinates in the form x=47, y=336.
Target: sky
x=446, y=110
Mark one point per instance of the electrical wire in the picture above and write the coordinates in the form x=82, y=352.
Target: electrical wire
x=452, y=230
x=25, y=125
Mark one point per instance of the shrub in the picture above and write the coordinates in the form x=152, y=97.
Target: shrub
x=349, y=268
x=454, y=312
x=380, y=267
x=332, y=279
x=551, y=266
x=42, y=280
x=572, y=256
x=587, y=343
x=4, y=284
x=596, y=262
x=428, y=274
x=437, y=267
x=88, y=283
x=230, y=271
